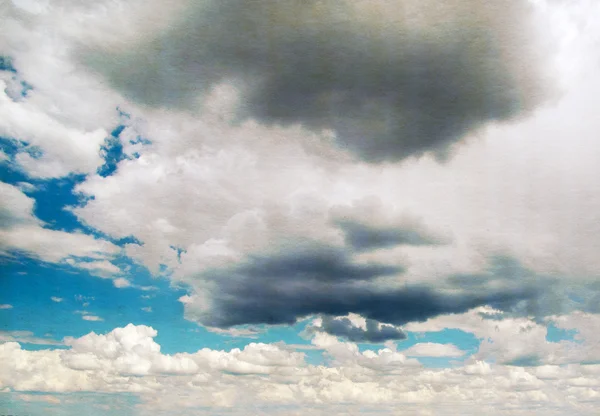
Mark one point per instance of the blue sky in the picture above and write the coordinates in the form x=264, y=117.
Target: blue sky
x=337, y=208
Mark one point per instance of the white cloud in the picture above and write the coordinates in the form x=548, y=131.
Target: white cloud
x=56, y=299
x=21, y=231
x=6, y=306
x=514, y=340
x=54, y=246
x=147, y=309
x=26, y=337
x=430, y=349
x=91, y=318
x=121, y=282
x=64, y=149
x=129, y=360
x=16, y=208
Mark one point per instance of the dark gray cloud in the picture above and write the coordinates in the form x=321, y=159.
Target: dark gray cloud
x=362, y=237
x=374, y=332
x=393, y=78
x=312, y=263
x=281, y=287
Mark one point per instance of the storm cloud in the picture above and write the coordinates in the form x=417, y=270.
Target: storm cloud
x=280, y=288
x=391, y=78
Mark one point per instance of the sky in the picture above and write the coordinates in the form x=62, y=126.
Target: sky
x=280, y=207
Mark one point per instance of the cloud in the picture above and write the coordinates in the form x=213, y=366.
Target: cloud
x=6, y=306
x=128, y=360
x=363, y=237
x=430, y=349
x=91, y=318
x=26, y=337
x=284, y=286
x=56, y=299
x=392, y=79
x=21, y=232
x=358, y=329
x=54, y=246
x=121, y=282
x=16, y=207
x=62, y=149
x=522, y=340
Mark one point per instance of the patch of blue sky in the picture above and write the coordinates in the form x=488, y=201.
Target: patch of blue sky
x=6, y=64
x=555, y=334
x=29, y=286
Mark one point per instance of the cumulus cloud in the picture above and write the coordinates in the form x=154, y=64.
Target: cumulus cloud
x=63, y=149
x=128, y=360
x=391, y=78
x=521, y=341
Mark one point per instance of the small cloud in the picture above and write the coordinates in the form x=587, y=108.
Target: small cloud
x=91, y=318
x=431, y=349
x=56, y=299
x=121, y=283
x=27, y=187
x=6, y=306
x=147, y=309
x=250, y=332
x=147, y=296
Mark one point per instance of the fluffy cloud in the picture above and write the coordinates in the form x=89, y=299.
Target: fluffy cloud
x=521, y=340
x=208, y=198
x=269, y=220
x=63, y=149
x=128, y=360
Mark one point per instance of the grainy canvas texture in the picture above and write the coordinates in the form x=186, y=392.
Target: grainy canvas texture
x=291, y=207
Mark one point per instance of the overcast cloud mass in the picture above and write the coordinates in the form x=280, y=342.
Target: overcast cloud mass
x=291, y=207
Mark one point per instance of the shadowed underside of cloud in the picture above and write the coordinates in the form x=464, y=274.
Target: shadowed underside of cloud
x=280, y=288
x=363, y=237
x=373, y=332
x=392, y=78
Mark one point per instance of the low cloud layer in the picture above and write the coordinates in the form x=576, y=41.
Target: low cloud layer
x=392, y=79
x=277, y=379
